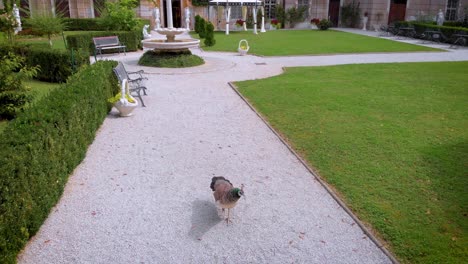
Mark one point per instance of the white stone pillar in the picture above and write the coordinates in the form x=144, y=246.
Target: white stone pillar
x=169, y=14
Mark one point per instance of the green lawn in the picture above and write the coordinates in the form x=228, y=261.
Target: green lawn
x=38, y=90
x=391, y=138
x=307, y=42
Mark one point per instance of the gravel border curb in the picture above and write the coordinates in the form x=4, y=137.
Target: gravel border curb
x=319, y=179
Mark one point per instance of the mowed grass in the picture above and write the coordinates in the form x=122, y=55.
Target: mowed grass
x=307, y=42
x=391, y=139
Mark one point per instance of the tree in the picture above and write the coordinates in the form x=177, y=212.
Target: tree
x=295, y=15
x=209, y=35
x=8, y=22
x=47, y=24
x=120, y=15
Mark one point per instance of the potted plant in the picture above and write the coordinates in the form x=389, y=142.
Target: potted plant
x=314, y=23
x=123, y=101
x=275, y=24
x=239, y=24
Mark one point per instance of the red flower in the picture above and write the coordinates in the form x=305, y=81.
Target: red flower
x=315, y=21
x=274, y=22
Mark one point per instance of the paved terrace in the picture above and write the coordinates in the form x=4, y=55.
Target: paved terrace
x=142, y=193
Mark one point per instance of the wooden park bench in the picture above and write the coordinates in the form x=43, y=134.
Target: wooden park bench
x=135, y=84
x=107, y=43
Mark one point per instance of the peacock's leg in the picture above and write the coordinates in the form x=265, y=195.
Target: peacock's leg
x=227, y=219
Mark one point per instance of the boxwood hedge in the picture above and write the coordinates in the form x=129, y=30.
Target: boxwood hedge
x=42, y=146
x=132, y=39
x=55, y=65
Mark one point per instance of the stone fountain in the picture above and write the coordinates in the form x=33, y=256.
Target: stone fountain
x=170, y=43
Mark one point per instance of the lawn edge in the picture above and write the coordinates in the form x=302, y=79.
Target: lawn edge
x=316, y=176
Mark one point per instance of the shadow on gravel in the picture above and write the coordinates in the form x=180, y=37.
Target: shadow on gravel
x=204, y=217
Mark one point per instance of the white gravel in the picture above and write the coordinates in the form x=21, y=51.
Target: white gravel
x=142, y=193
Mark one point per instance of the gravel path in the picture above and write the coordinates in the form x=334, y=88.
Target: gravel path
x=142, y=193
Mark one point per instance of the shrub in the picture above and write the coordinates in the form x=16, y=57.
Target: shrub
x=324, y=24
x=280, y=15
x=13, y=94
x=200, y=2
x=350, y=14
x=421, y=27
x=119, y=15
x=47, y=24
x=197, y=24
x=170, y=59
x=55, y=65
x=209, y=40
x=132, y=39
x=202, y=28
x=83, y=24
x=43, y=147
x=295, y=15
x=8, y=23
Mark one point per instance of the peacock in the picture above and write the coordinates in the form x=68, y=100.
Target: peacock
x=226, y=196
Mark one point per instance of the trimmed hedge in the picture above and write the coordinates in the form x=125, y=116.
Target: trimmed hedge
x=132, y=39
x=55, y=65
x=41, y=148
x=421, y=27
x=83, y=24
x=91, y=24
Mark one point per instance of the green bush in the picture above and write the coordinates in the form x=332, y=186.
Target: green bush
x=55, y=65
x=350, y=14
x=209, y=40
x=295, y=15
x=41, y=148
x=47, y=24
x=132, y=39
x=202, y=28
x=421, y=27
x=119, y=15
x=324, y=24
x=13, y=94
x=83, y=24
x=197, y=23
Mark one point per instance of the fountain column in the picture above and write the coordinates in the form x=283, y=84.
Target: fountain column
x=169, y=13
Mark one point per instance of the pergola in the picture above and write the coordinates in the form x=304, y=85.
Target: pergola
x=252, y=3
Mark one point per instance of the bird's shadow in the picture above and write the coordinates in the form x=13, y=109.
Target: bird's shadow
x=204, y=217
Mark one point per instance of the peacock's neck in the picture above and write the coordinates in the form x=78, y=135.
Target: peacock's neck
x=232, y=195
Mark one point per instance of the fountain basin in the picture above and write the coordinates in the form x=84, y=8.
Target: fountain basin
x=179, y=44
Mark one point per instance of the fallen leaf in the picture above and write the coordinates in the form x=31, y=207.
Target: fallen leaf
x=47, y=241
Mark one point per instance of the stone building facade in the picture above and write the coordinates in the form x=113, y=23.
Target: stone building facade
x=380, y=12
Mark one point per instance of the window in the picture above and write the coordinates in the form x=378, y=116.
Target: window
x=270, y=9
x=303, y=3
x=236, y=12
x=452, y=8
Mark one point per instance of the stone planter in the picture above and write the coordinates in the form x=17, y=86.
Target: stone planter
x=123, y=105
